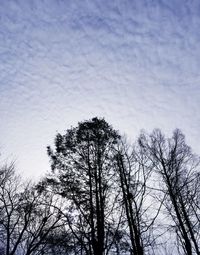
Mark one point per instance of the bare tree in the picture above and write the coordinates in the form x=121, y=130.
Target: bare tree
x=177, y=166
x=27, y=217
x=134, y=169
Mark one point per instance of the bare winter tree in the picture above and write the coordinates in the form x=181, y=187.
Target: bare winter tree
x=177, y=167
x=134, y=169
x=27, y=217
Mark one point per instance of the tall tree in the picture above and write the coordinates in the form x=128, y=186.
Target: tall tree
x=177, y=166
x=82, y=163
x=134, y=169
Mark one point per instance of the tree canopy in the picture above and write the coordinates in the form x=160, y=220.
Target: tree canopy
x=105, y=196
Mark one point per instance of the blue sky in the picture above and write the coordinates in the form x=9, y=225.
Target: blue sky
x=136, y=63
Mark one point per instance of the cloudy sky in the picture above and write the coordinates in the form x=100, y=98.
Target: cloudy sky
x=134, y=62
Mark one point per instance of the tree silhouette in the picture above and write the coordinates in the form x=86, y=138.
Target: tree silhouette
x=27, y=217
x=134, y=170
x=105, y=197
x=177, y=166
x=82, y=163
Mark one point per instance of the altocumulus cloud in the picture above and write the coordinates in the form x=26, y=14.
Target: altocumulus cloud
x=134, y=62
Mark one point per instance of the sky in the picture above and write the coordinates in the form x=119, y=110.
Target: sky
x=133, y=62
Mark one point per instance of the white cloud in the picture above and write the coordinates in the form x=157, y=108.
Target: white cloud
x=134, y=62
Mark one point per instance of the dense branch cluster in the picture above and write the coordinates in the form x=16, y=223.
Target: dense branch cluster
x=105, y=196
